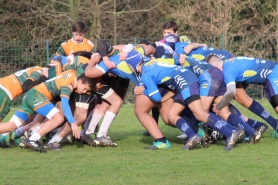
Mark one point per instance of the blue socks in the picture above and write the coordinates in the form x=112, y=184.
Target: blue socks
x=219, y=125
x=183, y=126
x=239, y=123
x=257, y=109
x=19, y=132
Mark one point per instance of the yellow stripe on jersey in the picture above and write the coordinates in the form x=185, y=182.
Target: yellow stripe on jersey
x=249, y=73
x=198, y=56
x=165, y=79
x=123, y=66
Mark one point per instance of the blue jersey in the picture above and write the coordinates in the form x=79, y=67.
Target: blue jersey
x=196, y=66
x=175, y=77
x=122, y=69
x=202, y=53
x=248, y=70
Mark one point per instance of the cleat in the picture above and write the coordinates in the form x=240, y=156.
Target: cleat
x=28, y=133
x=182, y=136
x=33, y=145
x=11, y=139
x=205, y=141
x=146, y=133
x=53, y=146
x=257, y=136
x=158, y=145
x=3, y=143
x=249, y=140
x=261, y=130
x=192, y=142
x=230, y=142
x=104, y=141
x=88, y=138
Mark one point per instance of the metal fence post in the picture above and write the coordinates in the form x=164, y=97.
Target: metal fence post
x=135, y=41
x=47, y=51
x=222, y=41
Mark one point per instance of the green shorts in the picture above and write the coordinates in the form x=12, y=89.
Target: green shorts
x=5, y=103
x=33, y=100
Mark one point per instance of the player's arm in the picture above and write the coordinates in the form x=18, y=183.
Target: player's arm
x=86, y=54
x=68, y=114
x=228, y=96
x=35, y=79
x=92, y=71
x=191, y=46
x=103, y=48
x=151, y=89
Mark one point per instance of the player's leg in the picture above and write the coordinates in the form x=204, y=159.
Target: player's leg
x=254, y=106
x=259, y=127
x=143, y=105
x=42, y=106
x=212, y=120
x=116, y=100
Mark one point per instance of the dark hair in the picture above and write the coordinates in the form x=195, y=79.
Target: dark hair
x=79, y=27
x=170, y=25
x=87, y=80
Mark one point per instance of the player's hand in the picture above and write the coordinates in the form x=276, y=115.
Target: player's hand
x=182, y=59
x=214, y=109
x=75, y=130
x=139, y=90
x=123, y=55
x=45, y=71
x=109, y=64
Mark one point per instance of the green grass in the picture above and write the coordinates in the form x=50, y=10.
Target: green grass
x=129, y=163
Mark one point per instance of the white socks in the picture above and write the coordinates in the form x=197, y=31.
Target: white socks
x=56, y=138
x=35, y=137
x=107, y=120
x=96, y=117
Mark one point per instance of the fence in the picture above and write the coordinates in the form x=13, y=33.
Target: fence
x=17, y=55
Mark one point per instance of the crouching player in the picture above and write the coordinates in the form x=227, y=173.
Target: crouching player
x=38, y=99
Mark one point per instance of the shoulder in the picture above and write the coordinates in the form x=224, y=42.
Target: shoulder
x=89, y=42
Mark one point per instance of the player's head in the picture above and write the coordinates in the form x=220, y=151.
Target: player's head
x=215, y=61
x=85, y=84
x=78, y=29
x=171, y=40
x=133, y=59
x=169, y=27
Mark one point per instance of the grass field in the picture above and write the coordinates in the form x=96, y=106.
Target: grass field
x=130, y=164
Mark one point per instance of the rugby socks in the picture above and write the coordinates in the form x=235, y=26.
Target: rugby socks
x=184, y=126
x=162, y=139
x=107, y=120
x=35, y=137
x=87, y=123
x=251, y=122
x=239, y=123
x=35, y=129
x=219, y=125
x=257, y=109
x=94, y=121
x=254, y=123
x=56, y=138
x=231, y=127
x=19, y=132
x=234, y=110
